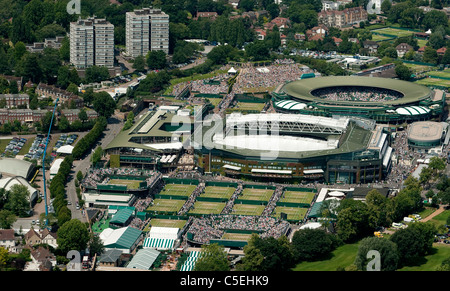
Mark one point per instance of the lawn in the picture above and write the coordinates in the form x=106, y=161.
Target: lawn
x=131, y=184
x=342, y=257
x=202, y=207
x=166, y=205
x=3, y=144
x=178, y=190
x=293, y=213
x=248, y=209
x=256, y=194
x=433, y=82
x=393, y=31
x=176, y=223
x=218, y=192
x=431, y=262
x=297, y=197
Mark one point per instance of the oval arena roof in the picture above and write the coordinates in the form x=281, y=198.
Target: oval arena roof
x=302, y=89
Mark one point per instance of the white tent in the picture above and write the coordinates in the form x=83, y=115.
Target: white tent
x=232, y=71
x=336, y=194
x=65, y=149
x=311, y=225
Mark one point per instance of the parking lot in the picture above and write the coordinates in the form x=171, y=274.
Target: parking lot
x=14, y=146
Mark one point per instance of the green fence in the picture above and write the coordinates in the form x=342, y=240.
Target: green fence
x=180, y=181
x=221, y=184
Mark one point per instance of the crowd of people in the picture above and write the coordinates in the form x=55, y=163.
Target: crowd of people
x=258, y=79
x=214, y=226
x=97, y=176
x=357, y=94
x=214, y=85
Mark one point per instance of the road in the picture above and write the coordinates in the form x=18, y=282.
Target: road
x=113, y=128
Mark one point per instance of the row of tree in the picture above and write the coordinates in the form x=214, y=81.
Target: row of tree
x=88, y=141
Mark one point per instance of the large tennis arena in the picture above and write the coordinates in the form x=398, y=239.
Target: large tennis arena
x=381, y=99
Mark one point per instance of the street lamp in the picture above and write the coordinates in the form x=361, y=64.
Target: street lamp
x=43, y=161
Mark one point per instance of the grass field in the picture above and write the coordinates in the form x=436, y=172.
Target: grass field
x=202, y=207
x=444, y=73
x=178, y=190
x=237, y=236
x=433, y=82
x=393, y=31
x=166, y=205
x=3, y=144
x=131, y=184
x=376, y=37
x=248, y=209
x=297, y=197
x=256, y=194
x=417, y=69
x=176, y=223
x=218, y=192
x=343, y=256
x=293, y=213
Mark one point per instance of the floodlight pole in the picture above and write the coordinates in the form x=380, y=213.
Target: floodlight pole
x=43, y=161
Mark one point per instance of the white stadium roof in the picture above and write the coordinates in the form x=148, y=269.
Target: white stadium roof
x=290, y=105
x=274, y=143
x=412, y=110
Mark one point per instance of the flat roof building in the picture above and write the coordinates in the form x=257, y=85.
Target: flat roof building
x=426, y=134
x=91, y=43
x=146, y=30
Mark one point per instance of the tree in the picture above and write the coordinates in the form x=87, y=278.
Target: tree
x=96, y=74
x=95, y=244
x=353, y=220
x=139, y=64
x=414, y=241
x=312, y=244
x=386, y=5
x=403, y=72
x=276, y=254
x=72, y=235
x=430, y=55
x=389, y=257
x=104, y=104
x=257, y=51
x=18, y=200
x=7, y=218
x=213, y=258
x=156, y=60
x=63, y=124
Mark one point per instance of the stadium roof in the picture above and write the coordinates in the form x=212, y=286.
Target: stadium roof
x=122, y=238
x=143, y=259
x=302, y=89
x=8, y=182
x=354, y=138
x=16, y=167
x=290, y=105
x=426, y=130
x=122, y=216
x=413, y=110
x=150, y=124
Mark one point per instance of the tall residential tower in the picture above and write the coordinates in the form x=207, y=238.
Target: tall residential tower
x=147, y=29
x=91, y=43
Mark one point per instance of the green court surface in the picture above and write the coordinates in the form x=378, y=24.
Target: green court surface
x=297, y=197
x=202, y=207
x=131, y=184
x=175, y=223
x=166, y=205
x=218, y=192
x=248, y=209
x=178, y=190
x=293, y=213
x=256, y=194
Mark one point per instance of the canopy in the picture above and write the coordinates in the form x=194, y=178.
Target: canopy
x=413, y=110
x=336, y=193
x=232, y=71
x=311, y=225
x=66, y=149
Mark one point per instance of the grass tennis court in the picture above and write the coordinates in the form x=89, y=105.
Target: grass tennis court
x=166, y=205
x=202, y=207
x=393, y=31
x=175, y=223
x=218, y=192
x=237, y=236
x=248, y=209
x=297, y=197
x=178, y=190
x=293, y=213
x=433, y=82
x=131, y=184
x=256, y=194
